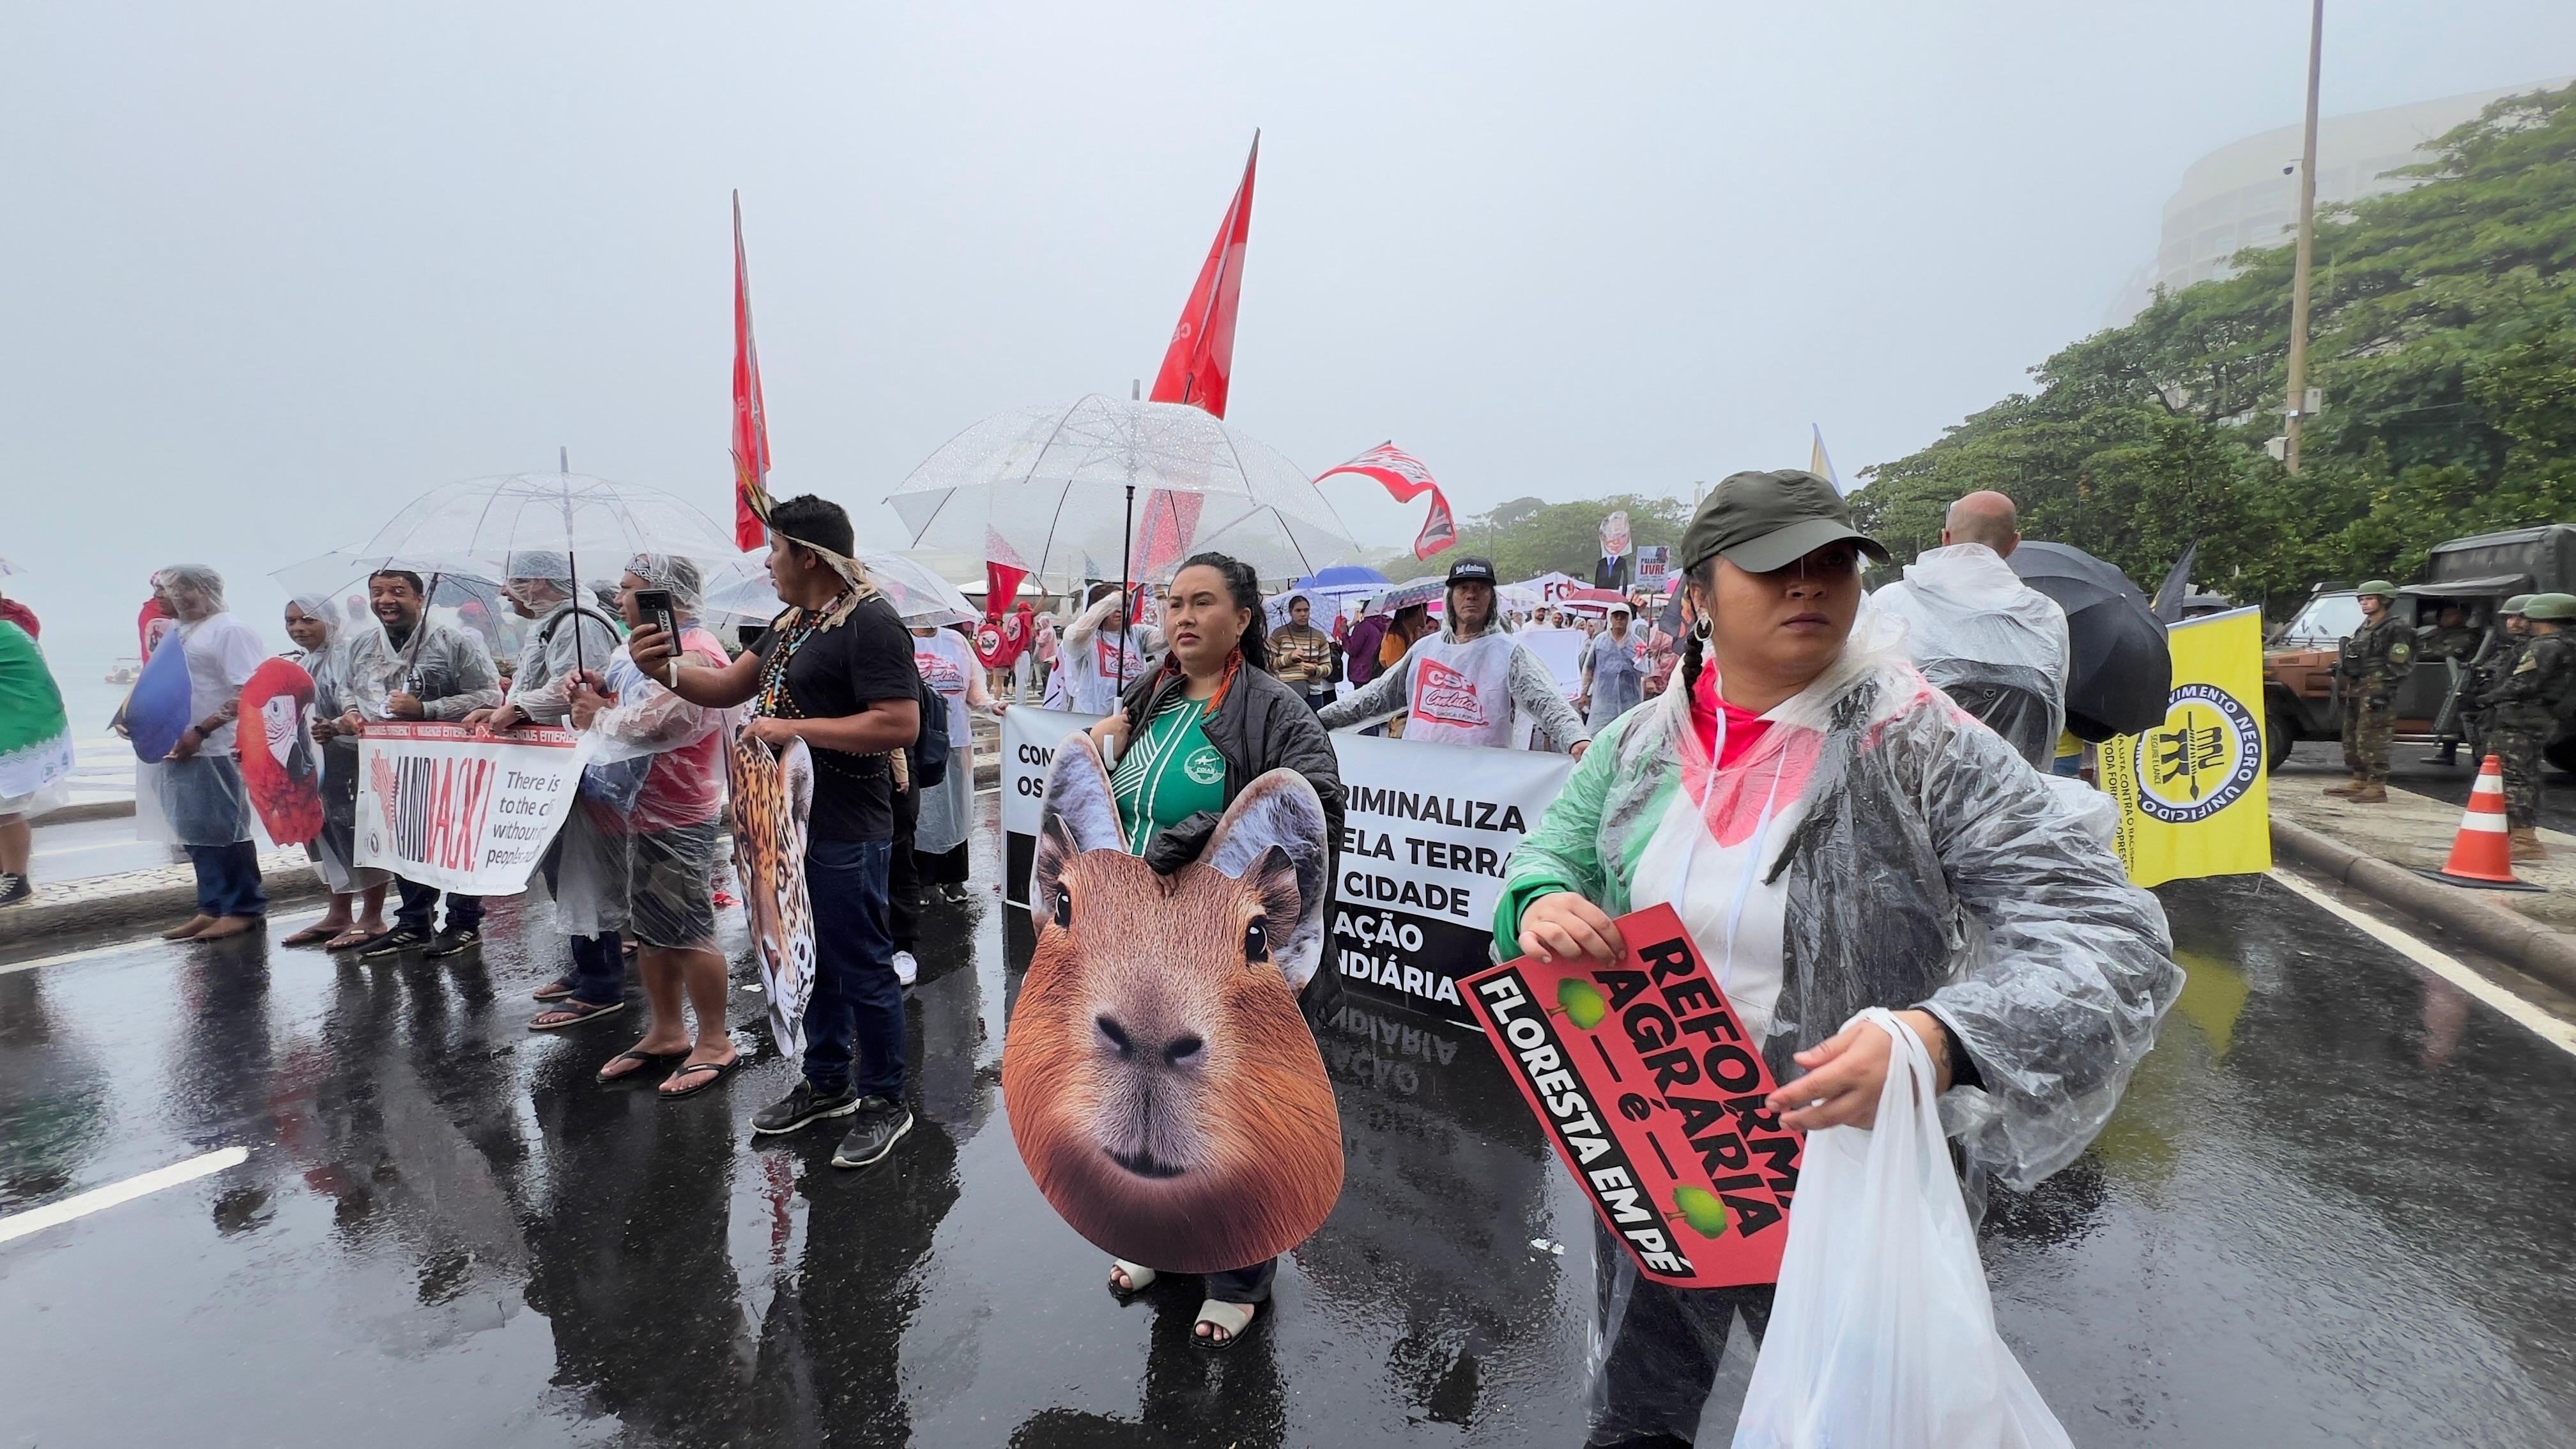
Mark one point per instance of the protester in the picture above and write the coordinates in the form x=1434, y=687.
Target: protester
x=1043, y=646
x=199, y=785
x=1104, y=652
x=836, y=671
x=1019, y=635
x=584, y=866
x=1824, y=823
x=1470, y=683
x=446, y=674
x=934, y=853
x=1302, y=655
x=2531, y=704
x=36, y=754
x=2374, y=661
x=1994, y=644
x=1614, y=671
x=666, y=820
x=1213, y=697
x=353, y=671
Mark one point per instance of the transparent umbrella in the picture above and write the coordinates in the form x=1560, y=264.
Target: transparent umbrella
x=1051, y=489
x=741, y=589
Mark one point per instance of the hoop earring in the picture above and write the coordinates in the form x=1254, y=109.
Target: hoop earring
x=1700, y=630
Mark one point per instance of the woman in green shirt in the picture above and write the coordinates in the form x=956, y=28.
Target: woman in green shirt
x=1190, y=737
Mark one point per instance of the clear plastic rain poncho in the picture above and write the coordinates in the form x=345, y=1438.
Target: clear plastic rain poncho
x=566, y=636
x=1993, y=643
x=353, y=672
x=1928, y=865
x=652, y=794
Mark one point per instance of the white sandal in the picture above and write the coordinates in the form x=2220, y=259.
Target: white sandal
x=1228, y=1318
x=1139, y=1277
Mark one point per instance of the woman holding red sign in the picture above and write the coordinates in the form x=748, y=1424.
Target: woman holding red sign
x=1836, y=835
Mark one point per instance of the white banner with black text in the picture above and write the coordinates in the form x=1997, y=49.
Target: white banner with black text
x=444, y=806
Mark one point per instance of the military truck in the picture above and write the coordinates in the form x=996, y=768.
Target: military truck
x=2301, y=698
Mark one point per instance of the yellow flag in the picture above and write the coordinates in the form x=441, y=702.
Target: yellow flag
x=1818, y=463
x=2192, y=794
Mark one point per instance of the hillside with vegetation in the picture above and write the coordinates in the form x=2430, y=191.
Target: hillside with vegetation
x=2443, y=338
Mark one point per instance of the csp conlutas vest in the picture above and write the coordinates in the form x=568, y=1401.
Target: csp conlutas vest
x=1460, y=694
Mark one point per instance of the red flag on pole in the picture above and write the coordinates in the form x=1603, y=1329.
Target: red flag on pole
x=1404, y=476
x=750, y=419
x=1001, y=585
x=1200, y=361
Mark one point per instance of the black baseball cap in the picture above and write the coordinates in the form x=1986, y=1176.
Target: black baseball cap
x=1470, y=569
x=1764, y=521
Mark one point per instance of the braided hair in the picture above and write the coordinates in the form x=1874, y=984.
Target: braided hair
x=1694, y=635
x=1245, y=589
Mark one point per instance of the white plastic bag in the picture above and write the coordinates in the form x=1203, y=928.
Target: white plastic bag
x=1883, y=1336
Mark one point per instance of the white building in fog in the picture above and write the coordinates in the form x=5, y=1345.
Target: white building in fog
x=2247, y=193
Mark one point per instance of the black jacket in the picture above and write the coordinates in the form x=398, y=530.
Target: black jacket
x=1261, y=725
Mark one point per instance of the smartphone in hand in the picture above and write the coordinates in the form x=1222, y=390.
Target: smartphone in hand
x=655, y=606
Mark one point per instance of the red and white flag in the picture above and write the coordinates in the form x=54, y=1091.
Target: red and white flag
x=750, y=420
x=1196, y=369
x=1403, y=475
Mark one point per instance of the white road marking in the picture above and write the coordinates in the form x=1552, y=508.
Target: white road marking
x=2548, y=1028
x=120, y=947
x=18, y=1225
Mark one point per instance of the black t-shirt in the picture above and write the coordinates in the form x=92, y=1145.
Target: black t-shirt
x=835, y=673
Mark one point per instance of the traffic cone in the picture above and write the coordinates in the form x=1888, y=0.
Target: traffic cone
x=2481, y=856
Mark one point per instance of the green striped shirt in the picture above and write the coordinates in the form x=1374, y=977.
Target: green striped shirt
x=1169, y=773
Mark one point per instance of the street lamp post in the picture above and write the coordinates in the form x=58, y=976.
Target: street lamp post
x=2296, y=410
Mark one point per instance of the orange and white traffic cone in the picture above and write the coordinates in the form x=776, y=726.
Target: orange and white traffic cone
x=2482, y=855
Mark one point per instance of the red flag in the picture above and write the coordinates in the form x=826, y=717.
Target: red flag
x=1200, y=360
x=1001, y=585
x=750, y=419
x=1404, y=476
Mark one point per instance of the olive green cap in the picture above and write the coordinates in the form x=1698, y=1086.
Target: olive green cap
x=2547, y=607
x=2514, y=604
x=1764, y=521
x=2382, y=587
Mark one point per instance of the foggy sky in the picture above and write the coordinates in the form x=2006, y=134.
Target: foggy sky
x=271, y=270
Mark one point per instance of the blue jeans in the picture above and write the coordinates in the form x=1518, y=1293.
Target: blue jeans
x=228, y=879
x=598, y=974
x=419, y=902
x=857, y=1007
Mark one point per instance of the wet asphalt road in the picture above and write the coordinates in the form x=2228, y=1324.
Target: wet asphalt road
x=2335, y=1209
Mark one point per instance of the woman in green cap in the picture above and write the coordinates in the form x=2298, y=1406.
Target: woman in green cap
x=1836, y=834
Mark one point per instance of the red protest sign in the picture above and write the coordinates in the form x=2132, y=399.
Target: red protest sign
x=1643, y=1076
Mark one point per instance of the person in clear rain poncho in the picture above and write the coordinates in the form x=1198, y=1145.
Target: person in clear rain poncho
x=563, y=637
x=202, y=805
x=353, y=671
x=1991, y=642
x=1836, y=834
x=654, y=790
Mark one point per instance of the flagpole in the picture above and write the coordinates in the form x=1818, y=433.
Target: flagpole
x=1126, y=561
x=2296, y=410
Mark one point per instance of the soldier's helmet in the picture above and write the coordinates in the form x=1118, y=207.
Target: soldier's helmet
x=2382, y=587
x=2545, y=607
x=2513, y=606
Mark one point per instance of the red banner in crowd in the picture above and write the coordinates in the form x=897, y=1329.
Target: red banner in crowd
x=750, y=419
x=1403, y=475
x=1643, y=1076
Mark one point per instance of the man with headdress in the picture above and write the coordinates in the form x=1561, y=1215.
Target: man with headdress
x=836, y=671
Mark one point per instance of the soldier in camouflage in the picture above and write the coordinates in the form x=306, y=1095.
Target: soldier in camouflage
x=2529, y=702
x=2495, y=659
x=2450, y=638
x=2375, y=661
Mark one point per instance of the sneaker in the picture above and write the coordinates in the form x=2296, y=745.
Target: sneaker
x=394, y=943
x=16, y=890
x=802, y=1108
x=452, y=942
x=880, y=1126
x=907, y=967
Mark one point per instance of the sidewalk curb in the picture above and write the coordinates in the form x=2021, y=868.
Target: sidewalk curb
x=89, y=810
x=2505, y=934
x=167, y=897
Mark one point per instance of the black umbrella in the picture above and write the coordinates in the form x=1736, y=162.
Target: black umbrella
x=2123, y=672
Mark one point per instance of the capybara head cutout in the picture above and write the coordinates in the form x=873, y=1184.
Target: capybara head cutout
x=1163, y=1088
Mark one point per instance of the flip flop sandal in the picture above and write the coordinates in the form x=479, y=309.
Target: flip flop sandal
x=1228, y=1317
x=574, y=1013
x=716, y=1072
x=555, y=990
x=649, y=1059
x=1139, y=1278
x=354, y=940
x=311, y=934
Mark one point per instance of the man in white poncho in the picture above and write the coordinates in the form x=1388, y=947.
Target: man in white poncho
x=1991, y=642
